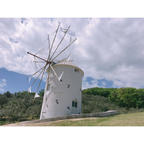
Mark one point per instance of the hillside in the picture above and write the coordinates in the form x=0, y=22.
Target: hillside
x=130, y=119
x=22, y=106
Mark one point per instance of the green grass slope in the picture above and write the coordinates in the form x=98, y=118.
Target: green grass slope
x=130, y=119
x=21, y=106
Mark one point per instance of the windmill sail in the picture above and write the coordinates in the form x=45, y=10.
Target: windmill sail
x=49, y=62
x=29, y=89
x=36, y=95
x=62, y=82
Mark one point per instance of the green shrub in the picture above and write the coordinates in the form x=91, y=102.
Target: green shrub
x=128, y=97
x=22, y=105
x=95, y=103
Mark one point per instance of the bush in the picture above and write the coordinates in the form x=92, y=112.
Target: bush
x=22, y=105
x=99, y=91
x=123, y=97
x=19, y=106
x=3, y=100
x=128, y=97
x=95, y=103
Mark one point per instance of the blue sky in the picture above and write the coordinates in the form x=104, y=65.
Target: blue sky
x=110, y=51
x=15, y=82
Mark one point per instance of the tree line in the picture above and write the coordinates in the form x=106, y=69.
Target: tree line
x=123, y=97
x=19, y=106
x=22, y=106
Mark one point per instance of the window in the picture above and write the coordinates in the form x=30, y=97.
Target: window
x=68, y=86
x=60, y=80
x=57, y=101
x=74, y=104
x=76, y=70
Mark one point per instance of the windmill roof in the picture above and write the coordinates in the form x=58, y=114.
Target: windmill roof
x=71, y=65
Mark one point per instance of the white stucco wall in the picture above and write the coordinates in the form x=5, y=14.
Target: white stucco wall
x=59, y=97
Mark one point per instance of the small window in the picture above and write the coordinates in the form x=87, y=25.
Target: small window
x=57, y=101
x=76, y=70
x=74, y=104
x=68, y=108
x=60, y=80
x=68, y=86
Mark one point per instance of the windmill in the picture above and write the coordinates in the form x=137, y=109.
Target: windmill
x=62, y=95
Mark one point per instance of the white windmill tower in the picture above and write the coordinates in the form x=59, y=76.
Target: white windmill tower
x=62, y=95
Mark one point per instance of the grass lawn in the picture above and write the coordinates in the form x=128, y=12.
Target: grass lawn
x=130, y=119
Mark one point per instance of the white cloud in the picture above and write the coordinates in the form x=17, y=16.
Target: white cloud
x=3, y=83
x=114, y=51
x=111, y=49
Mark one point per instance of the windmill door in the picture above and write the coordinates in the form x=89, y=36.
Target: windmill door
x=74, y=107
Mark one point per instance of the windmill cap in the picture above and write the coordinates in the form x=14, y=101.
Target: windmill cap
x=70, y=65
